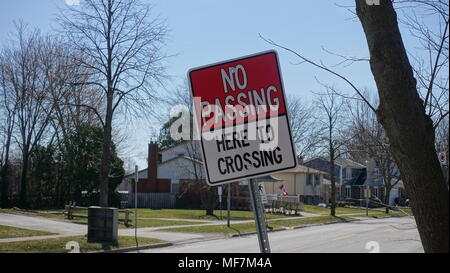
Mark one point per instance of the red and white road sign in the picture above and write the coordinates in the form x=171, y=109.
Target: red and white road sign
x=442, y=157
x=241, y=112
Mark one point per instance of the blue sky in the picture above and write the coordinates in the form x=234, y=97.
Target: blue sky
x=208, y=31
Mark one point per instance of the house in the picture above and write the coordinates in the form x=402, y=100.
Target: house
x=175, y=177
x=352, y=178
x=304, y=182
x=166, y=170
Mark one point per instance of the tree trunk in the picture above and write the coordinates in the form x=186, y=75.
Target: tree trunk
x=4, y=171
x=333, y=183
x=5, y=185
x=23, y=180
x=410, y=130
x=387, y=196
x=107, y=138
x=333, y=198
x=211, y=201
x=106, y=159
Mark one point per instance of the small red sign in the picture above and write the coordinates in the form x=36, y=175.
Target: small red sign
x=252, y=85
x=442, y=157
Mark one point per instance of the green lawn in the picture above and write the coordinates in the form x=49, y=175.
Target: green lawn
x=309, y=221
x=325, y=211
x=58, y=245
x=250, y=227
x=14, y=232
x=340, y=210
x=198, y=214
x=158, y=223
x=141, y=222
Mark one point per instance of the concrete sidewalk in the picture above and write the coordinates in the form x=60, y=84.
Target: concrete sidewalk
x=43, y=224
x=63, y=228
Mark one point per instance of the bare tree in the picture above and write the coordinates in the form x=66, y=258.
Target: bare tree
x=8, y=107
x=181, y=97
x=409, y=128
x=28, y=80
x=301, y=117
x=206, y=192
x=428, y=22
x=123, y=46
x=329, y=132
x=371, y=141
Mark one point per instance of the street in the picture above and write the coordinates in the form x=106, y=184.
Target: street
x=390, y=235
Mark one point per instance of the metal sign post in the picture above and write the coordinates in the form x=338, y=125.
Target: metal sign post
x=228, y=205
x=219, y=191
x=136, y=180
x=260, y=221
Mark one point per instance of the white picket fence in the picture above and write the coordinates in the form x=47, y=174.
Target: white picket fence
x=292, y=198
x=153, y=200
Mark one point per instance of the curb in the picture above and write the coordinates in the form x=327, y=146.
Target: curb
x=127, y=249
x=252, y=233
x=293, y=227
x=305, y=226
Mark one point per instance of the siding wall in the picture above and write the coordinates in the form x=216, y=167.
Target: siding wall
x=294, y=183
x=152, y=200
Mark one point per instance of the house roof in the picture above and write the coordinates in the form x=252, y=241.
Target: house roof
x=343, y=162
x=399, y=185
x=171, y=147
x=181, y=157
x=348, y=163
x=304, y=169
x=326, y=181
x=268, y=178
x=182, y=142
x=131, y=175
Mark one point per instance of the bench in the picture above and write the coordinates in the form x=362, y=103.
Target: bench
x=72, y=207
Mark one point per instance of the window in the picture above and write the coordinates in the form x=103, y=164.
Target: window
x=375, y=191
x=316, y=179
x=349, y=173
x=308, y=179
x=376, y=172
x=343, y=174
x=348, y=192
